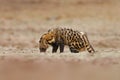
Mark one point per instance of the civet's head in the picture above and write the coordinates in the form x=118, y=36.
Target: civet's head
x=45, y=40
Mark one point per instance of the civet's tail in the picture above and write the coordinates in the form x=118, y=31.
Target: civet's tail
x=87, y=44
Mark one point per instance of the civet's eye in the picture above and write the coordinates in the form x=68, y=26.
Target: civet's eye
x=49, y=39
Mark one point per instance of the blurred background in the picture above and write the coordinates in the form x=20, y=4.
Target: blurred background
x=23, y=21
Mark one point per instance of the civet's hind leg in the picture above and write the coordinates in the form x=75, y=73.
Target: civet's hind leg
x=73, y=49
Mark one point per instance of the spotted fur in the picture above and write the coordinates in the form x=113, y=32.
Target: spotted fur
x=59, y=37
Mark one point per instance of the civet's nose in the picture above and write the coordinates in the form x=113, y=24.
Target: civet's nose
x=42, y=49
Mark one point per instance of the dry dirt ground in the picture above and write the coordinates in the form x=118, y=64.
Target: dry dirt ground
x=22, y=22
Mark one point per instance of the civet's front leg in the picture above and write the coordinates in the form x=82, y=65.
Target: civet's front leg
x=54, y=47
x=62, y=47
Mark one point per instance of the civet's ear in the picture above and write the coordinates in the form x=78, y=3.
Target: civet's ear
x=50, y=30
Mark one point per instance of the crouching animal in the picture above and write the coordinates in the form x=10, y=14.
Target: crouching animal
x=59, y=37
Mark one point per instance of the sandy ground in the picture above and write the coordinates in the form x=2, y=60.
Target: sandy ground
x=22, y=22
